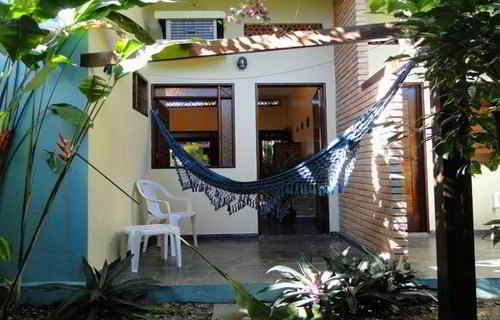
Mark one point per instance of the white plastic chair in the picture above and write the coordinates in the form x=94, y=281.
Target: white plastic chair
x=149, y=191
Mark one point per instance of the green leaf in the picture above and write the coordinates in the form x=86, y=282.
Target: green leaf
x=443, y=148
x=126, y=4
x=20, y=36
x=94, y=88
x=131, y=26
x=71, y=114
x=39, y=78
x=4, y=120
x=42, y=75
x=48, y=9
x=19, y=8
x=376, y=5
x=5, y=251
x=157, y=51
x=53, y=161
x=175, y=51
x=492, y=222
x=126, y=48
x=95, y=9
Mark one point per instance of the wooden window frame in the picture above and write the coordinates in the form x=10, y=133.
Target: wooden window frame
x=155, y=133
x=139, y=90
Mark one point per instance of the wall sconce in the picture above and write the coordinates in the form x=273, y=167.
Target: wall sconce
x=242, y=63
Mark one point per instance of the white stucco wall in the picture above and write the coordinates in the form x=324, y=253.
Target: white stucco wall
x=119, y=145
x=116, y=129
x=483, y=188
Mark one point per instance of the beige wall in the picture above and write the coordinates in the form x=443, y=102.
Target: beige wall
x=119, y=145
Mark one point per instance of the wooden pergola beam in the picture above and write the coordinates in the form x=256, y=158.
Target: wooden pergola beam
x=261, y=43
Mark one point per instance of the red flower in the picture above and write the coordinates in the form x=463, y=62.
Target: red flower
x=5, y=138
x=66, y=148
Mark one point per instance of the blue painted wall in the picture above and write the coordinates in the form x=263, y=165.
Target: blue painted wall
x=63, y=242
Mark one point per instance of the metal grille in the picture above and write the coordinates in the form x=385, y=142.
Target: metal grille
x=188, y=29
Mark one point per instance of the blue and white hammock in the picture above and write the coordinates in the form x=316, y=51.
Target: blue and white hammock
x=323, y=174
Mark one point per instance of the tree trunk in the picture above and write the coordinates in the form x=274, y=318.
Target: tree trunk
x=454, y=237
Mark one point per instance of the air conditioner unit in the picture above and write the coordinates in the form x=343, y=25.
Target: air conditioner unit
x=183, y=25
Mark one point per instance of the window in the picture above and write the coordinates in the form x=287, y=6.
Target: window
x=201, y=118
x=182, y=29
x=140, y=94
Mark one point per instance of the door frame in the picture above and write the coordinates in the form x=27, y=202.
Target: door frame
x=325, y=201
x=419, y=89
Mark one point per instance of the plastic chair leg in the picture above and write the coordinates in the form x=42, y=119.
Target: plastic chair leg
x=173, y=246
x=145, y=244
x=134, y=245
x=178, y=249
x=164, y=249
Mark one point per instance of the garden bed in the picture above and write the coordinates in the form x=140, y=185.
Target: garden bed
x=487, y=310
x=170, y=311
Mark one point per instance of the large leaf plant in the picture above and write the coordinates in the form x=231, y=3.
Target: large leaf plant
x=33, y=37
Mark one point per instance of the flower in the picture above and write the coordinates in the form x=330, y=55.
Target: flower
x=5, y=138
x=66, y=148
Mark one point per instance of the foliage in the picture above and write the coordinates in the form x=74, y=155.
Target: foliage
x=106, y=295
x=196, y=151
x=5, y=252
x=494, y=231
x=461, y=41
x=250, y=8
x=350, y=286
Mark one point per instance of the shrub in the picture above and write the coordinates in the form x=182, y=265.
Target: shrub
x=349, y=286
x=105, y=294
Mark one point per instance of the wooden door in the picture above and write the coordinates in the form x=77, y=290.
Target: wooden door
x=320, y=142
x=414, y=164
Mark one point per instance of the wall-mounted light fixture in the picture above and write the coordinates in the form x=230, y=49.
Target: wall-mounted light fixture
x=242, y=63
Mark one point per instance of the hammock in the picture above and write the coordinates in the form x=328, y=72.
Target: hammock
x=323, y=174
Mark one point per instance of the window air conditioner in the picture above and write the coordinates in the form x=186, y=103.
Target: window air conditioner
x=183, y=25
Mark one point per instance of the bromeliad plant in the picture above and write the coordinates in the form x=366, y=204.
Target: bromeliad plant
x=348, y=287
x=106, y=294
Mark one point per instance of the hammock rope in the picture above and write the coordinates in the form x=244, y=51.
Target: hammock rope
x=325, y=173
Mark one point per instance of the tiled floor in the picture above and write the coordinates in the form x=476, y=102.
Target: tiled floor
x=422, y=256
x=247, y=260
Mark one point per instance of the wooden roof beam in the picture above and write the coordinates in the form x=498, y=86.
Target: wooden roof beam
x=261, y=43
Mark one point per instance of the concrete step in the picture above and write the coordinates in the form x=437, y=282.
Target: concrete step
x=229, y=312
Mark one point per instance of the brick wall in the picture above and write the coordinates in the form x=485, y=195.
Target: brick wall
x=373, y=207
